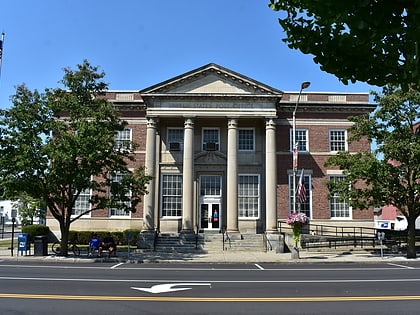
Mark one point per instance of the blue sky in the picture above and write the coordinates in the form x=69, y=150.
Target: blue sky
x=139, y=43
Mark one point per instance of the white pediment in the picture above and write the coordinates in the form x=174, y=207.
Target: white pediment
x=210, y=79
x=213, y=84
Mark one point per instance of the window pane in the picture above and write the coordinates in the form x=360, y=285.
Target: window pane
x=338, y=208
x=176, y=135
x=123, y=139
x=211, y=136
x=246, y=140
x=172, y=195
x=248, y=196
x=115, y=179
x=210, y=186
x=306, y=206
x=82, y=203
x=337, y=140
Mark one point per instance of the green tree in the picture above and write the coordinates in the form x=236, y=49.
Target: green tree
x=359, y=40
x=58, y=144
x=30, y=208
x=390, y=174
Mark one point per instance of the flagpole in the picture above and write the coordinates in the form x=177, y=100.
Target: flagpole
x=1, y=51
x=304, y=85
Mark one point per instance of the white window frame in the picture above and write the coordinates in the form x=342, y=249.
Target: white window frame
x=241, y=212
x=330, y=140
x=344, y=206
x=178, y=198
x=85, y=193
x=306, y=143
x=203, y=143
x=118, y=213
x=171, y=139
x=121, y=141
x=253, y=139
x=308, y=185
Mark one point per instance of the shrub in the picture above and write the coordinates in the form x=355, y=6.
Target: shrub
x=35, y=230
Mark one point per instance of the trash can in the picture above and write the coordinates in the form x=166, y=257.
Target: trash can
x=40, y=245
x=23, y=243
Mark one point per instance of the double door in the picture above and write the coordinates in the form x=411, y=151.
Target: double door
x=210, y=218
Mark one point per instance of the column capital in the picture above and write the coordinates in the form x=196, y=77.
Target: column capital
x=269, y=123
x=151, y=122
x=232, y=123
x=189, y=122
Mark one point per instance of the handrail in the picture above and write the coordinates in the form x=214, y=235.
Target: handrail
x=155, y=238
x=224, y=230
x=267, y=242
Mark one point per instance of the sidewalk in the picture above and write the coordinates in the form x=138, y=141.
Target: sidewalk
x=219, y=257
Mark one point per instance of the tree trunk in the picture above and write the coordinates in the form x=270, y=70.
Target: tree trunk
x=64, y=248
x=411, y=237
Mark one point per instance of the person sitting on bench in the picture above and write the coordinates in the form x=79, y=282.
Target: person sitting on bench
x=94, y=244
x=108, y=244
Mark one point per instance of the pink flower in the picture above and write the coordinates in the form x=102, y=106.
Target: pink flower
x=297, y=218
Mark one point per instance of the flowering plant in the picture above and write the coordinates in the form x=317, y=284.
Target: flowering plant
x=297, y=220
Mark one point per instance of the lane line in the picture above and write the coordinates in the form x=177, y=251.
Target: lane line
x=401, y=266
x=212, y=281
x=117, y=265
x=259, y=267
x=213, y=299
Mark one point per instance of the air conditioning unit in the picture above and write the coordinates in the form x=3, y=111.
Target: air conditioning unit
x=174, y=146
x=210, y=146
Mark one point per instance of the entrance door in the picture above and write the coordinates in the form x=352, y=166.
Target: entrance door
x=210, y=216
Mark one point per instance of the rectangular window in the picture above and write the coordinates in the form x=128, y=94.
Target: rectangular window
x=338, y=140
x=210, y=139
x=82, y=203
x=248, y=196
x=210, y=185
x=301, y=140
x=118, y=212
x=246, y=140
x=304, y=207
x=123, y=139
x=175, y=139
x=339, y=209
x=172, y=195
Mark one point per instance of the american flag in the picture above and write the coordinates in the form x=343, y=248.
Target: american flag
x=295, y=156
x=1, y=48
x=301, y=189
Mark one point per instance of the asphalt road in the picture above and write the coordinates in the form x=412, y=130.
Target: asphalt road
x=104, y=288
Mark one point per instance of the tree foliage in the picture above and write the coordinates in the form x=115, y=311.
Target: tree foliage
x=390, y=175
x=360, y=40
x=58, y=144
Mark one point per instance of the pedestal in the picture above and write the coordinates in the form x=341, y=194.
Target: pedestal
x=295, y=253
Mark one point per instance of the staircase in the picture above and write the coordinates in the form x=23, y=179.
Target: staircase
x=179, y=243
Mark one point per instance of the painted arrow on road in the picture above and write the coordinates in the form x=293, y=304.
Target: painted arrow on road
x=169, y=287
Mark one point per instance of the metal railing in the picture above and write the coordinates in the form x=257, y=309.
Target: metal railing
x=316, y=235
x=267, y=244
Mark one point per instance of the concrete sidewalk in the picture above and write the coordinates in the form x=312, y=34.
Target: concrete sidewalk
x=215, y=257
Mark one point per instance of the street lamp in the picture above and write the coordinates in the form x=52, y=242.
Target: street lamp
x=295, y=148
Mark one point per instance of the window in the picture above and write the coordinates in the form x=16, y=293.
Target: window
x=172, y=195
x=82, y=204
x=248, y=196
x=210, y=139
x=338, y=208
x=301, y=140
x=338, y=140
x=175, y=139
x=210, y=185
x=246, y=140
x=302, y=207
x=123, y=139
x=126, y=204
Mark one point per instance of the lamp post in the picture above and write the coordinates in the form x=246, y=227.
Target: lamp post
x=295, y=149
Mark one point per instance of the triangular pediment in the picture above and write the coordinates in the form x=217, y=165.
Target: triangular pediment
x=211, y=79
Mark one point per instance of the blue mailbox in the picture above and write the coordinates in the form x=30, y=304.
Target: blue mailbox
x=23, y=242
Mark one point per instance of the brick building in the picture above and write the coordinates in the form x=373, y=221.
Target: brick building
x=219, y=147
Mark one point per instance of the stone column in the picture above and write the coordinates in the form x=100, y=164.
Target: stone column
x=188, y=177
x=270, y=176
x=150, y=169
x=232, y=176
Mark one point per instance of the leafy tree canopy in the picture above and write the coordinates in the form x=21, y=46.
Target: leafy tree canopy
x=58, y=144
x=390, y=175
x=372, y=41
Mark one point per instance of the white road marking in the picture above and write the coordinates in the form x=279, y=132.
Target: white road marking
x=402, y=266
x=169, y=287
x=259, y=267
x=117, y=265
